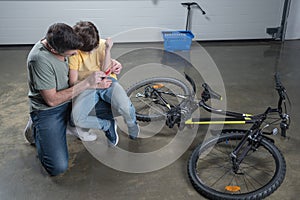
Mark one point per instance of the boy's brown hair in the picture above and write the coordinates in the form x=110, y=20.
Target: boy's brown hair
x=89, y=35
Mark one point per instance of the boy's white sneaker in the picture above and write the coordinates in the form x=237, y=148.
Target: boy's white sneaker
x=82, y=133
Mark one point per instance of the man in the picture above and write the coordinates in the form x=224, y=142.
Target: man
x=50, y=95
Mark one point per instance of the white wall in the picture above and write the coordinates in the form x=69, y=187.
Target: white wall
x=25, y=22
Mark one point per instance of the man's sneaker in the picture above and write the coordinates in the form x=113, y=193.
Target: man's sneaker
x=134, y=131
x=28, y=132
x=112, y=134
x=81, y=133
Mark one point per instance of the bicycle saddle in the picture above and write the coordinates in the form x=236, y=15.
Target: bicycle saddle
x=208, y=93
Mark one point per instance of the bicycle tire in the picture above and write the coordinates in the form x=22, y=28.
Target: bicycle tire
x=154, y=111
x=212, y=187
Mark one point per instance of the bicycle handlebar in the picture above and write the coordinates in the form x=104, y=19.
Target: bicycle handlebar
x=285, y=119
x=284, y=125
x=279, y=87
x=277, y=80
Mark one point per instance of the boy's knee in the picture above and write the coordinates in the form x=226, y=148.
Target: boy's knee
x=78, y=120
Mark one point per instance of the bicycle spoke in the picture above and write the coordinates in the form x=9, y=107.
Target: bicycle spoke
x=154, y=97
x=148, y=106
x=221, y=178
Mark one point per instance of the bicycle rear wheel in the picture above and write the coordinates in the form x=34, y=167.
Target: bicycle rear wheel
x=151, y=108
x=260, y=174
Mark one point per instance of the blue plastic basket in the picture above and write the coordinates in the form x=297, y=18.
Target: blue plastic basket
x=177, y=40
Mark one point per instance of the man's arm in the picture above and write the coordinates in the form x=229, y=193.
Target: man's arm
x=53, y=97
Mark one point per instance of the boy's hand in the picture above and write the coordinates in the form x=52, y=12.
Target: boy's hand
x=108, y=43
x=116, y=67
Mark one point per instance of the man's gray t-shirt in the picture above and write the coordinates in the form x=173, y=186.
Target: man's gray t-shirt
x=45, y=72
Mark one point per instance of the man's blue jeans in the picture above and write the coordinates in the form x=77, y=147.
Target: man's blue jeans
x=101, y=102
x=49, y=129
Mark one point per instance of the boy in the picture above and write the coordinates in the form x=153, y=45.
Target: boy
x=95, y=55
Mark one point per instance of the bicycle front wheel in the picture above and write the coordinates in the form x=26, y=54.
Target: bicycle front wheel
x=260, y=173
x=150, y=107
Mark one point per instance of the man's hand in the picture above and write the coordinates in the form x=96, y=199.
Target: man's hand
x=95, y=78
x=105, y=83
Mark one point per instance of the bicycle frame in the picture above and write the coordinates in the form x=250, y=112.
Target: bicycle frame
x=231, y=118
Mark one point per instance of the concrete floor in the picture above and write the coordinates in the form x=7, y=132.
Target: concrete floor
x=247, y=70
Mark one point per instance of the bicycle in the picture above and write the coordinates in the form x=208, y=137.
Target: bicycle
x=232, y=165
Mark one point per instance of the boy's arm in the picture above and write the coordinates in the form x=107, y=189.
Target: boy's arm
x=73, y=77
x=74, y=63
x=107, y=64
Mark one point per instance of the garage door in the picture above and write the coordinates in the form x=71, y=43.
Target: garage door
x=25, y=22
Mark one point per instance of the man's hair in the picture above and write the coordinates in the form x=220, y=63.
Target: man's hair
x=89, y=35
x=61, y=37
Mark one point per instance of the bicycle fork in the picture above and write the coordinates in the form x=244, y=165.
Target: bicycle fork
x=249, y=142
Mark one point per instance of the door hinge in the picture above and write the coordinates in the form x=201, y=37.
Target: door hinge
x=275, y=32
